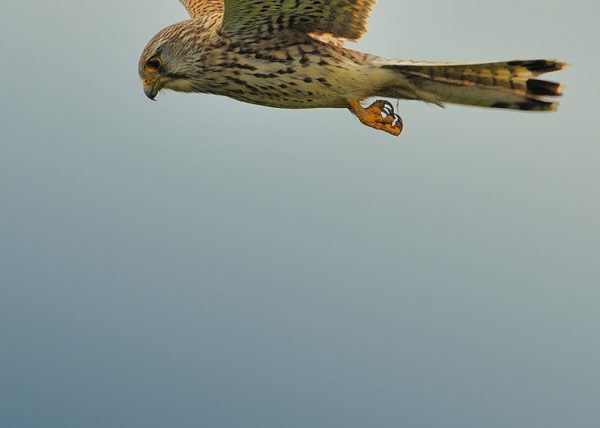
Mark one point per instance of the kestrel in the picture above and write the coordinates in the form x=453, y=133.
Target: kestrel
x=291, y=54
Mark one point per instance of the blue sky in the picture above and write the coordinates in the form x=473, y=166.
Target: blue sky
x=203, y=262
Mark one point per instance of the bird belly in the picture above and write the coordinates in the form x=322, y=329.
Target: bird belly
x=306, y=76
x=286, y=88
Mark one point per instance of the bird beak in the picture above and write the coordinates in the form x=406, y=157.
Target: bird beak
x=151, y=89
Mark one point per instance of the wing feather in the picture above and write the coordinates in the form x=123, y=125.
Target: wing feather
x=198, y=8
x=344, y=19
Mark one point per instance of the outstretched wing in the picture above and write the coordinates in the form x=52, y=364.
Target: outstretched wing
x=343, y=19
x=198, y=8
x=340, y=18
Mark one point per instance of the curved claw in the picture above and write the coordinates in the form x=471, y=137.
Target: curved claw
x=387, y=107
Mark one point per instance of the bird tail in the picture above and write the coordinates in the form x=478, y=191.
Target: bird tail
x=507, y=85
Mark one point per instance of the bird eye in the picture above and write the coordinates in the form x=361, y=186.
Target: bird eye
x=154, y=63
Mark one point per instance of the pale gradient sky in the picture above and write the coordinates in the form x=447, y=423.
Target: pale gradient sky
x=198, y=262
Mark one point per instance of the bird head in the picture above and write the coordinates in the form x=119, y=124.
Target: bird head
x=168, y=61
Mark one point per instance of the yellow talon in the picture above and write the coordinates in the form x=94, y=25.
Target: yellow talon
x=379, y=115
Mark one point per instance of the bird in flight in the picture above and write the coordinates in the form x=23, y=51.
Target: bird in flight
x=292, y=54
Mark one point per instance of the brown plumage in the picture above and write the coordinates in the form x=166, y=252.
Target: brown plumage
x=291, y=54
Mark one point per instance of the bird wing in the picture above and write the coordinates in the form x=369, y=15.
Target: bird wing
x=198, y=8
x=335, y=19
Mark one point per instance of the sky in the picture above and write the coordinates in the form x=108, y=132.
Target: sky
x=200, y=262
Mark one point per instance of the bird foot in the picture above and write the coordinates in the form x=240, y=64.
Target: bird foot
x=379, y=115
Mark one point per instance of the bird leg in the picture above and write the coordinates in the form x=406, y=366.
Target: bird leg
x=379, y=115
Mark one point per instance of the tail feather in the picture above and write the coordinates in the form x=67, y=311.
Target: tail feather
x=538, y=66
x=509, y=85
x=543, y=88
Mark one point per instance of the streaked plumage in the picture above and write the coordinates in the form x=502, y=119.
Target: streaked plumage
x=291, y=54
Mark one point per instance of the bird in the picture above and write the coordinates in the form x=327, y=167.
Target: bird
x=293, y=54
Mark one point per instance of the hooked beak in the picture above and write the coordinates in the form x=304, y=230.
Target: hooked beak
x=151, y=89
